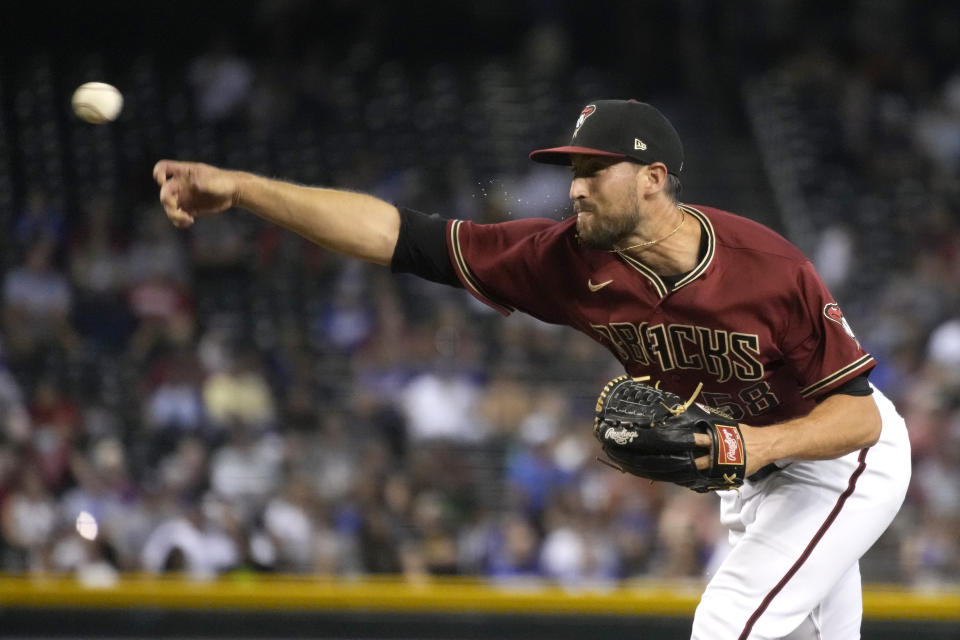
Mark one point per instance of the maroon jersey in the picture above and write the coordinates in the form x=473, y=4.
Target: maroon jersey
x=753, y=321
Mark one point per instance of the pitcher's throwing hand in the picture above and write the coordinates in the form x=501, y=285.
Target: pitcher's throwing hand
x=189, y=189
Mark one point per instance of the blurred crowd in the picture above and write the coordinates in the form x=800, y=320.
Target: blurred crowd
x=387, y=426
x=234, y=399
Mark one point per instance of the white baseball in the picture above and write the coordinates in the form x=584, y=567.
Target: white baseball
x=97, y=102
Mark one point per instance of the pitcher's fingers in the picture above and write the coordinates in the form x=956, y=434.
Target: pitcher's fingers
x=166, y=169
x=703, y=462
x=170, y=201
x=180, y=218
x=182, y=222
x=170, y=195
x=160, y=171
x=702, y=440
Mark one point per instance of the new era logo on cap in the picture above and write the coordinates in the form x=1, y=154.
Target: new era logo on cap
x=620, y=129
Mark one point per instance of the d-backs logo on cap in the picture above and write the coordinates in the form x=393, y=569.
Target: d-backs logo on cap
x=832, y=312
x=586, y=113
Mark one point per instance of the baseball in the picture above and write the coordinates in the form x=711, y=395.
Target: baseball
x=97, y=102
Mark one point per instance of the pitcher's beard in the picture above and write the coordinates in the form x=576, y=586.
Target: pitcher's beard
x=604, y=233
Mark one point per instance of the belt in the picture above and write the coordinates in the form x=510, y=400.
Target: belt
x=763, y=472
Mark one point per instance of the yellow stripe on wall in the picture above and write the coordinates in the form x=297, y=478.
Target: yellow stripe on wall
x=371, y=595
x=446, y=596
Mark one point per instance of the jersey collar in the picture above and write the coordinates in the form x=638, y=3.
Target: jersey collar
x=663, y=289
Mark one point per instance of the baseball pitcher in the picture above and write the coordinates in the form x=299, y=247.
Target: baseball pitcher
x=742, y=374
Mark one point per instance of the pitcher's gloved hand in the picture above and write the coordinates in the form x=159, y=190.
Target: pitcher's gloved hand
x=649, y=433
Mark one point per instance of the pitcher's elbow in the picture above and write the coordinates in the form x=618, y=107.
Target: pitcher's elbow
x=874, y=424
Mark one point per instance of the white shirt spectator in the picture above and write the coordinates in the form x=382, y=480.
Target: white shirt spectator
x=290, y=525
x=438, y=406
x=246, y=472
x=205, y=552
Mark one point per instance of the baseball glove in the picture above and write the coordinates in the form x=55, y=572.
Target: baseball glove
x=649, y=432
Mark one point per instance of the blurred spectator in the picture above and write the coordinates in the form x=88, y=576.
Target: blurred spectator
x=930, y=553
x=687, y=537
x=97, y=260
x=441, y=405
x=184, y=472
x=511, y=548
x=833, y=258
x=346, y=321
x=574, y=550
x=51, y=407
x=193, y=543
x=375, y=416
x=98, y=269
x=290, y=366
x=937, y=128
x=220, y=258
x=240, y=394
x=28, y=518
x=633, y=532
x=39, y=221
x=216, y=347
x=393, y=355
x=329, y=458
x=504, y=403
x=14, y=419
x=333, y=554
x=246, y=469
x=158, y=295
x=90, y=561
x=435, y=542
x=936, y=476
x=99, y=508
x=36, y=305
x=289, y=520
x=441, y=402
x=221, y=81
x=173, y=402
x=9, y=468
x=381, y=535
x=532, y=473
x=57, y=428
x=943, y=352
x=219, y=246
x=156, y=252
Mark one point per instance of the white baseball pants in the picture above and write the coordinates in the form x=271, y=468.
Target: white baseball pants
x=797, y=536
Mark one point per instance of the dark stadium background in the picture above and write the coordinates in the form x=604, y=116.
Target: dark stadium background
x=838, y=124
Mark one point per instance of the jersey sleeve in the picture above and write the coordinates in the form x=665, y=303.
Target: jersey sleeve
x=510, y=266
x=421, y=248
x=819, y=342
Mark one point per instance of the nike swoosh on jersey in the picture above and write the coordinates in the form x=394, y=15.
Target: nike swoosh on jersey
x=597, y=287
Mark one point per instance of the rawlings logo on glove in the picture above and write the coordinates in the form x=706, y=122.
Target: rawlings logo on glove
x=731, y=448
x=649, y=433
x=620, y=435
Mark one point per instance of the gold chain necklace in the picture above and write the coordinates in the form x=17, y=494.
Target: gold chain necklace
x=650, y=243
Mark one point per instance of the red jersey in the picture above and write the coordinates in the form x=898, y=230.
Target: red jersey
x=752, y=321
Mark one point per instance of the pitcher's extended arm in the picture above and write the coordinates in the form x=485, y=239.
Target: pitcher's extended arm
x=354, y=224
